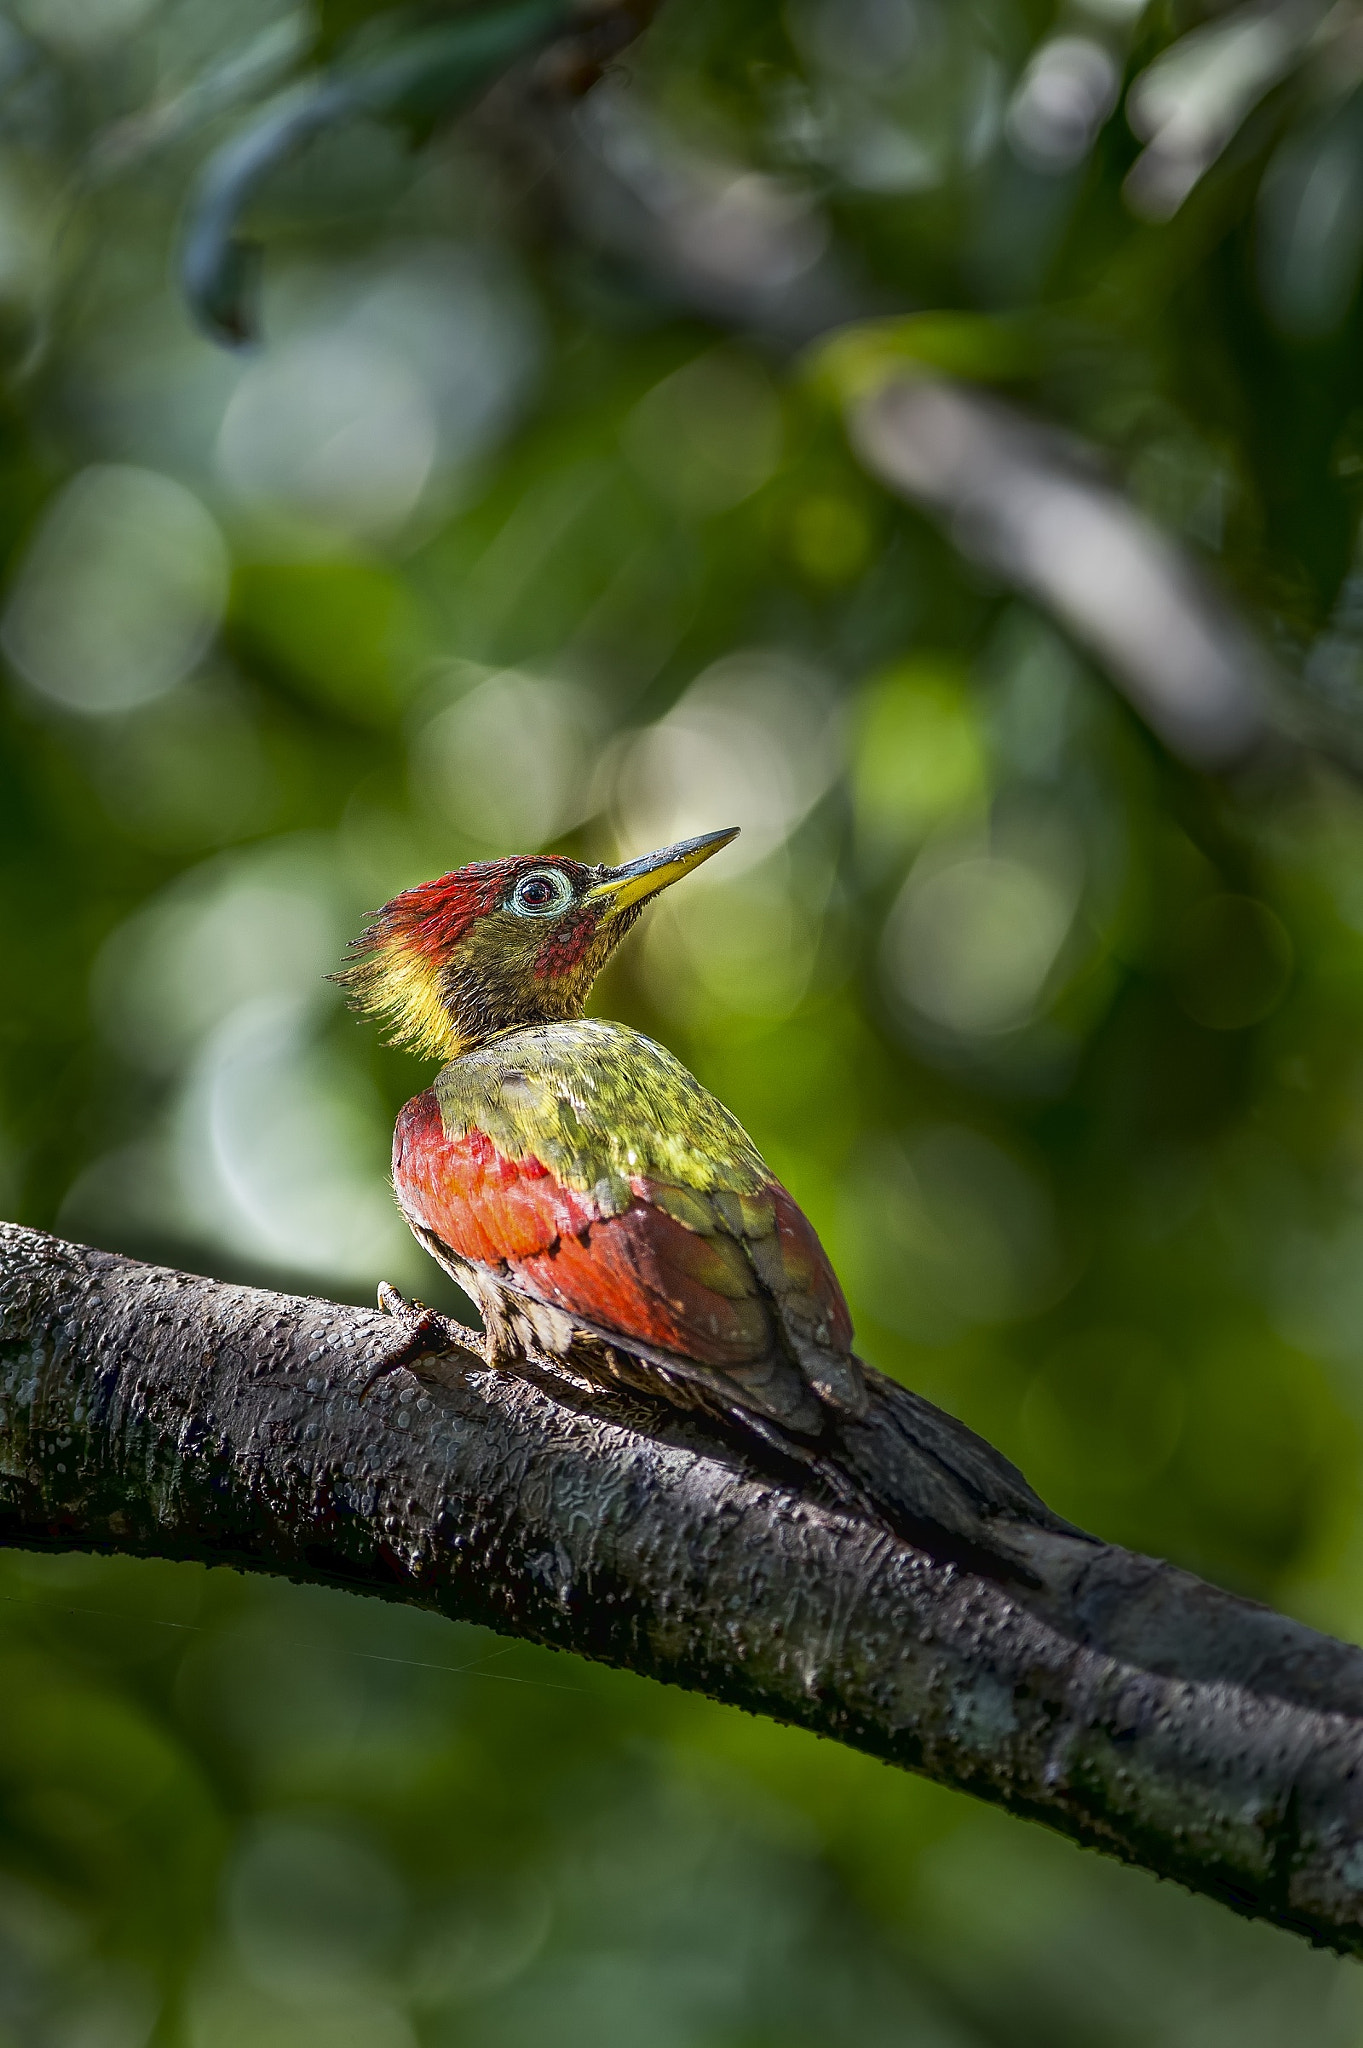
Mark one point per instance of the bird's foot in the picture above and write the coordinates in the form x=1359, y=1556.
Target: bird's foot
x=423, y=1333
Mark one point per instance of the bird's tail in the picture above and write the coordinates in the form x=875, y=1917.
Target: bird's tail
x=932, y=1480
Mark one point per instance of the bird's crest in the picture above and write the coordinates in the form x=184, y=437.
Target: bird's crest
x=393, y=968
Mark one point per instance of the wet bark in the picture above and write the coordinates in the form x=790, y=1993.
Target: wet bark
x=1120, y=1701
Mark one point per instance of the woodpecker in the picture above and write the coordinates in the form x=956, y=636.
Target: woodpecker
x=601, y=1208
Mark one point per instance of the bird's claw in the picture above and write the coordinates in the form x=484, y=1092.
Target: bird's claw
x=394, y=1303
x=425, y=1334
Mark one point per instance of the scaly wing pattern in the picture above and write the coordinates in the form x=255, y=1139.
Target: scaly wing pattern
x=508, y=1168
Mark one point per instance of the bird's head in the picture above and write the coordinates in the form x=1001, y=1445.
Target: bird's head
x=503, y=943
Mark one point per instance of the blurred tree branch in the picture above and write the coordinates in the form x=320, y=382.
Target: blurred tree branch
x=1033, y=506
x=1120, y=1701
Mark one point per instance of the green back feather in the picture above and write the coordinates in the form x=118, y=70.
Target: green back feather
x=598, y=1102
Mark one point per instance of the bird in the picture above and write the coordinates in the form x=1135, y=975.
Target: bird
x=600, y=1207
x=612, y=1221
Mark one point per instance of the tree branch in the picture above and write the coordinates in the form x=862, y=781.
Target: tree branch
x=1118, y=1700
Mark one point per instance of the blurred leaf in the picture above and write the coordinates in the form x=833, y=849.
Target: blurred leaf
x=410, y=77
x=856, y=361
x=348, y=633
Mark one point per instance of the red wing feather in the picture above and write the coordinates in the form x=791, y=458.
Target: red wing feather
x=810, y=1295
x=642, y=1273
x=649, y=1277
x=484, y=1206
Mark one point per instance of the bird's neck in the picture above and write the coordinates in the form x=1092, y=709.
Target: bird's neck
x=443, y=1009
x=478, y=1008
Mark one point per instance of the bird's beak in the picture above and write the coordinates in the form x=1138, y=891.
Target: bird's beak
x=639, y=879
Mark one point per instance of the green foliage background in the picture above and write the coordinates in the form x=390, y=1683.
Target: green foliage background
x=496, y=543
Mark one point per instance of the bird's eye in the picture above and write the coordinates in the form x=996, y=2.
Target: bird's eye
x=541, y=893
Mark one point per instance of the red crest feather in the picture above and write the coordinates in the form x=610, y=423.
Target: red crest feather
x=399, y=967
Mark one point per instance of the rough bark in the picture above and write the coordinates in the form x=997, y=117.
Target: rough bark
x=1120, y=1701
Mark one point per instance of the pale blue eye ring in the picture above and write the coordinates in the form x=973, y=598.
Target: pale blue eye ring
x=542, y=893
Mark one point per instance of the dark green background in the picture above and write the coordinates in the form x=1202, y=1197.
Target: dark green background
x=493, y=545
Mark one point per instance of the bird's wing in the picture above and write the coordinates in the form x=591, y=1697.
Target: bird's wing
x=735, y=1282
